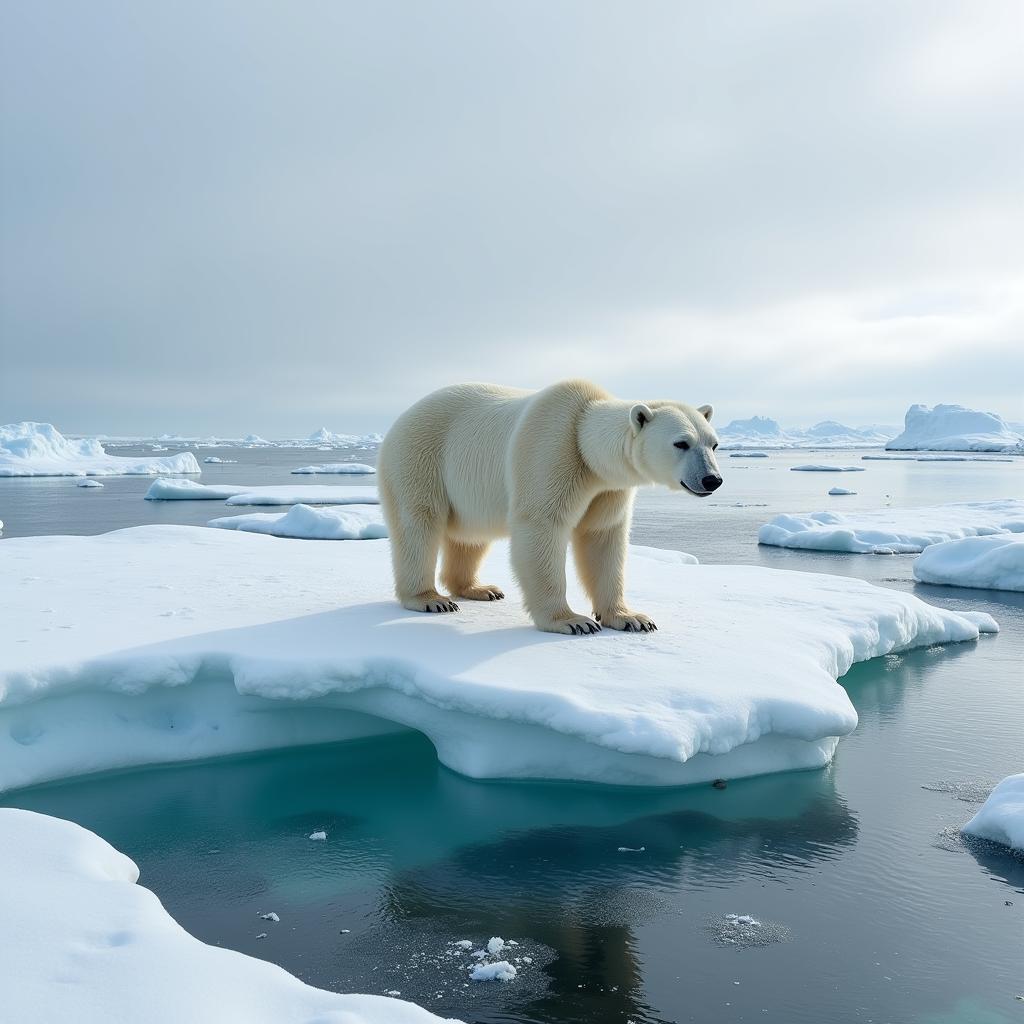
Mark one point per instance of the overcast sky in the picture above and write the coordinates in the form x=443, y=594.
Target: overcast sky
x=233, y=217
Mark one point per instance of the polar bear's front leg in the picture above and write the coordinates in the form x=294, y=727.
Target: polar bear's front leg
x=538, y=560
x=601, y=561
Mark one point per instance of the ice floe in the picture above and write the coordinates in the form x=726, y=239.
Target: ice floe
x=991, y=562
x=192, y=643
x=306, y=494
x=891, y=531
x=1001, y=818
x=39, y=449
x=955, y=428
x=84, y=942
x=169, y=489
x=933, y=457
x=348, y=522
x=825, y=467
x=216, y=460
x=836, y=491
x=342, y=468
x=89, y=482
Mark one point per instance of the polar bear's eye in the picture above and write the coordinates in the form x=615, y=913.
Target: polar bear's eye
x=714, y=447
x=683, y=444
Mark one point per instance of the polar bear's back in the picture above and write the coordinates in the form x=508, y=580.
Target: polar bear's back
x=451, y=449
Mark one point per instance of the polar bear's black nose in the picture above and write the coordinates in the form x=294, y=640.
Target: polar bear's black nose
x=711, y=483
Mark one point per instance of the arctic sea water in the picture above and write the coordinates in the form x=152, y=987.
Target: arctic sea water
x=872, y=908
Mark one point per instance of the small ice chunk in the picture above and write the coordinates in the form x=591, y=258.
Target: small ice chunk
x=88, y=482
x=318, y=835
x=262, y=935
x=270, y=917
x=632, y=849
x=840, y=490
x=495, y=945
x=464, y=944
x=500, y=971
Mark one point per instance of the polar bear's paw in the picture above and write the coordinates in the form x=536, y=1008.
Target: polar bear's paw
x=430, y=602
x=575, y=625
x=628, y=621
x=482, y=592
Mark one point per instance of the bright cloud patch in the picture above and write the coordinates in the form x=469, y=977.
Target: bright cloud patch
x=84, y=942
x=995, y=563
x=188, y=643
x=349, y=522
x=891, y=531
x=40, y=449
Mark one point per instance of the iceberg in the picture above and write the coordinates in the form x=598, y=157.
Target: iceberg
x=1001, y=818
x=336, y=467
x=190, y=643
x=40, y=449
x=762, y=432
x=954, y=428
x=893, y=531
x=84, y=942
x=349, y=522
x=990, y=562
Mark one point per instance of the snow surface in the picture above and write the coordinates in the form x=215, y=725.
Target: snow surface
x=762, y=432
x=823, y=467
x=995, y=563
x=835, y=491
x=83, y=942
x=954, y=428
x=191, y=643
x=348, y=522
x=1001, y=818
x=40, y=449
x=890, y=531
x=337, y=467
x=306, y=494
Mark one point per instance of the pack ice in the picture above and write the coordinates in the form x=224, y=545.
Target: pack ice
x=40, y=449
x=161, y=644
x=889, y=531
x=239, y=494
x=84, y=942
x=954, y=428
x=1001, y=818
x=992, y=562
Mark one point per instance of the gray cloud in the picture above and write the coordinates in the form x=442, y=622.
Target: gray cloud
x=239, y=216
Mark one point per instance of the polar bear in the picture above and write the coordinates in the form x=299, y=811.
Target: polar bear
x=473, y=462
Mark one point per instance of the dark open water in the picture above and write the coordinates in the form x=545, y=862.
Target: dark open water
x=882, y=912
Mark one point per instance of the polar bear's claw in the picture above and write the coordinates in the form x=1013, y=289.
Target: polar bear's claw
x=629, y=622
x=577, y=625
x=430, y=603
x=482, y=592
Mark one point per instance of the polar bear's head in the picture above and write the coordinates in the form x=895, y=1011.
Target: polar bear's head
x=674, y=445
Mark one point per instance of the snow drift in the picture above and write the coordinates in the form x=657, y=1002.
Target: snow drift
x=890, y=531
x=84, y=942
x=953, y=428
x=184, y=643
x=40, y=449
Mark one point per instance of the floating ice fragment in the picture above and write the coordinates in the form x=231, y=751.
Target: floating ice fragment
x=270, y=917
x=500, y=971
x=318, y=835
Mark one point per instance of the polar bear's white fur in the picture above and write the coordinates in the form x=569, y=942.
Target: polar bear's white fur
x=474, y=462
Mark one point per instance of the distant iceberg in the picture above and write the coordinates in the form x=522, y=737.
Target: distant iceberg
x=954, y=428
x=40, y=449
x=762, y=432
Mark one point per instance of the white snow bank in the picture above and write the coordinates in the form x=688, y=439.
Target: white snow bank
x=336, y=467
x=1001, y=818
x=83, y=942
x=190, y=490
x=953, y=428
x=349, y=522
x=991, y=562
x=826, y=468
x=891, y=531
x=303, y=494
x=834, y=491
x=190, y=643
x=39, y=449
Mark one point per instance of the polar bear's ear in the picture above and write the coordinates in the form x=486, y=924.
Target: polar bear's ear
x=706, y=411
x=639, y=415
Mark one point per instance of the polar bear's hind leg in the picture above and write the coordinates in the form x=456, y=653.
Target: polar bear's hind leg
x=459, y=571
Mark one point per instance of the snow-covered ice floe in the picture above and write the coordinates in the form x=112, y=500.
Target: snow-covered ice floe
x=347, y=522
x=216, y=460
x=836, y=491
x=954, y=428
x=89, y=483
x=890, y=531
x=824, y=467
x=991, y=562
x=1001, y=818
x=84, y=942
x=341, y=468
x=39, y=449
x=748, y=455
x=934, y=457
x=240, y=494
x=190, y=643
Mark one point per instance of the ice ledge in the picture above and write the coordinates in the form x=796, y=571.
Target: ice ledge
x=164, y=644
